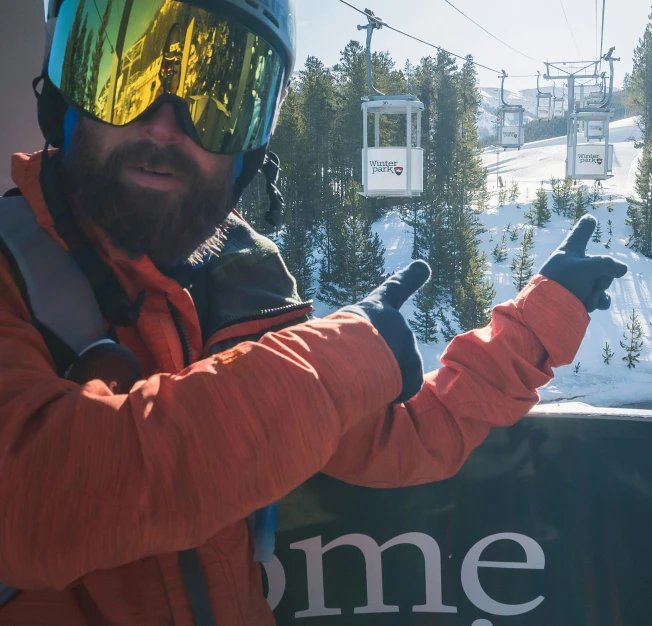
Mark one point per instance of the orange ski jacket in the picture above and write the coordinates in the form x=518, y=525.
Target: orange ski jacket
x=100, y=491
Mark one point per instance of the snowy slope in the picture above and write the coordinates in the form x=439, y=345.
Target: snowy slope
x=596, y=382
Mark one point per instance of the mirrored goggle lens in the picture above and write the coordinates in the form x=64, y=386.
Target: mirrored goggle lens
x=114, y=58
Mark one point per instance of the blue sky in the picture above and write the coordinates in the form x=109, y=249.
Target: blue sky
x=535, y=27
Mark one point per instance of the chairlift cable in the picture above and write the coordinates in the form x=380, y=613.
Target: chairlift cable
x=492, y=35
x=427, y=43
x=569, y=27
x=604, y=6
x=596, y=28
x=105, y=34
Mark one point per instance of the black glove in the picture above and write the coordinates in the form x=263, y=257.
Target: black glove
x=381, y=308
x=112, y=363
x=586, y=277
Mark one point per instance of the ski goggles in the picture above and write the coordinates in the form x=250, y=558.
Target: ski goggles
x=118, y=60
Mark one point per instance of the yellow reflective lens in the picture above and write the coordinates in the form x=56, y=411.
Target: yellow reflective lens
x=112, y=59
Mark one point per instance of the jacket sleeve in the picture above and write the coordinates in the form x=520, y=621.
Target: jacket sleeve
x=91, y=480
x=489, y=378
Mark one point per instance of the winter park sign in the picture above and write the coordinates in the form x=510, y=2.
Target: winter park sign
x=546, y=524
x=387, y=169
x=383, y=167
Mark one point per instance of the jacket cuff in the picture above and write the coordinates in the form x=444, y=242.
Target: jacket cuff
x=556, y=316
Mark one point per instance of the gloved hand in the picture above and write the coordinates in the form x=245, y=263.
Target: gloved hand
x=586, y=277
x=381, y=308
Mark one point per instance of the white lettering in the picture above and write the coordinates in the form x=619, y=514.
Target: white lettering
x=373, y=563
x=275, y=582
x=534, y=559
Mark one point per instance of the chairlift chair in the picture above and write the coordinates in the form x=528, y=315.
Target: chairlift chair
x=558, y=103
x=593, y=158
x=390, y=171
x=544, y=103
x=510, y=122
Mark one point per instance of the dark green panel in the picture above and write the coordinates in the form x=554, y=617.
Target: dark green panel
x=579, y=488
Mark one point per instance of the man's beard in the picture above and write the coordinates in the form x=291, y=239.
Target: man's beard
x=167, y=226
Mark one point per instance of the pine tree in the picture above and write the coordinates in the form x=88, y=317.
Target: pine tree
x=531, y=216
x=633, y=343
x=595, y=195
x=357, y=265
x=502, y=196
x=639, y=211
x=607, y=353
x=514, y=192
x=576, y=369
x=640, y=82
x=580, y=205
x=317, y=97
x=597, y=233
x=449, y=333
x=424, y=322
x=540, y=206
x=499, y=253
x=608, y=244
x=474, y=297
x=610, y=205
x=562, y=197
x=482, y=199
x=523, y=262
x=513, y=234
x=610, y=228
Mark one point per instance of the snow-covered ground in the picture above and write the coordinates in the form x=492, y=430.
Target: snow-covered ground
x=596, y=383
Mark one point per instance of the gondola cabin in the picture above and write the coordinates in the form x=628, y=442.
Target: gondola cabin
x=392, y=171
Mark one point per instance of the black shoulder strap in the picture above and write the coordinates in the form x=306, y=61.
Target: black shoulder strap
x=55, y=289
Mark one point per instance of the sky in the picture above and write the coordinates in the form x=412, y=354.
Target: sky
x=324, y=27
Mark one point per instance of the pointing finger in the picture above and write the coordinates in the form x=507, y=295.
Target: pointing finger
x=579, y=237
x=397, y=289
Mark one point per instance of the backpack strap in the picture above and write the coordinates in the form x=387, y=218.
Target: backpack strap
x=56, y=290
x=60, y=298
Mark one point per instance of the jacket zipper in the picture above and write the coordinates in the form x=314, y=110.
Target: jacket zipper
x=262, y=314
x=183, y=334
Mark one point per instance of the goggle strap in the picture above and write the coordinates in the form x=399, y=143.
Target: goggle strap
x=271, y=168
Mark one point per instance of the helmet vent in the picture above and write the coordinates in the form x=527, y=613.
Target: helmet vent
x=271, y=18
x=252, y=3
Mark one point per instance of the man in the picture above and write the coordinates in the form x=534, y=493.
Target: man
x=128, y=505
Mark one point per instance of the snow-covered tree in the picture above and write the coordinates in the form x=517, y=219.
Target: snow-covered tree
x=523, y=262
x=541, y=209
x=595, y=195
x=607, y=353
x=639, y=212
x=358, y=262
x=580, y=205
x=562, y=196
x=424, y=321
x=633, y=340
x=597, y=233
x=475, y=295
x=499, y=253
x=514, y=192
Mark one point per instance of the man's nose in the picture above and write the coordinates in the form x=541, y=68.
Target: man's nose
x=161, y=127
